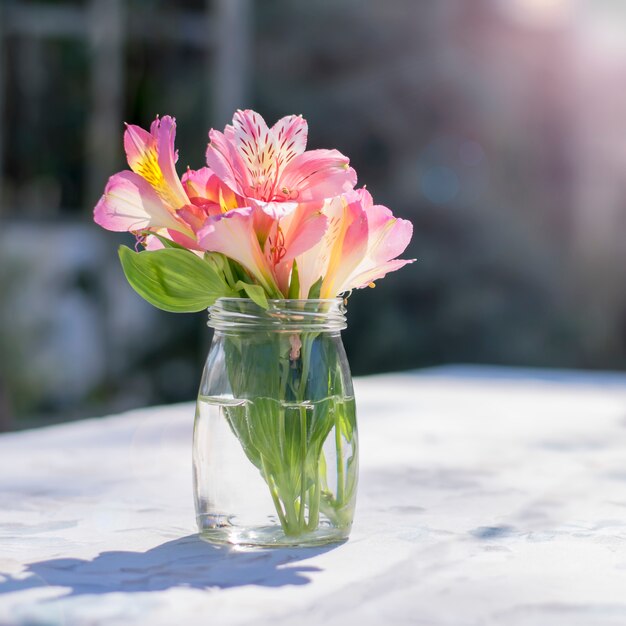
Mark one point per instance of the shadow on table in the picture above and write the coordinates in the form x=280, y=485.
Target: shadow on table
x=185, y=562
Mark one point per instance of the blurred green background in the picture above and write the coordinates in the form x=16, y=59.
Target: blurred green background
x=496, y=126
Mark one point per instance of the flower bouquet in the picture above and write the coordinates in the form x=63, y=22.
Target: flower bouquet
x=267, y=236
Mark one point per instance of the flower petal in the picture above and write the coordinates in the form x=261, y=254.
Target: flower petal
x=152, y=156
x=339, y=251
x=387, y=238
x=289, y=136
x=349, y=247
x=195, y=215
x=154, y=243
x=276, y=210
x=165, y=136
x=129, y=203
x=223, y=159
x=186, y=240
x=255, y=146
x=198, y=183
x=243, y=156
x=302, y=229
x=232, y=233
x=137, y=143
x=316, y=175
x=203, y=186
x=366, y=278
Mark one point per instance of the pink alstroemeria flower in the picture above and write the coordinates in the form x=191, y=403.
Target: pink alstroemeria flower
x=387, y=238
x=208, y=196
x=358, y=247
x=291, y=236
x=271, y=166
x=282, y=231
x=339, y=251
x=205, y=189
x=234, y=233
x=270, y=171
x=149, y=196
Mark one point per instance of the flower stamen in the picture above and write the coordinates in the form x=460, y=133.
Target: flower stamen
x=277, y=247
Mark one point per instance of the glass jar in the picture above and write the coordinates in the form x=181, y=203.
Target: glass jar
x=275, y=455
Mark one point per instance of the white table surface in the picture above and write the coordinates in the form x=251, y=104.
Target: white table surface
x=484, y=500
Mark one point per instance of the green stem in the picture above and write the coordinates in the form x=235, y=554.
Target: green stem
x=290, y=505
x=291, y=513
x=305, y=356
x=272, y=488
x=339, y=453
x=303, y=455
x=314, y=501
x=281, y=414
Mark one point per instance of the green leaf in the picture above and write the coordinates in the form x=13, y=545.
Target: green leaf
x=256, y=293
x=316, y=287
x=294, y=285
x=173, y=280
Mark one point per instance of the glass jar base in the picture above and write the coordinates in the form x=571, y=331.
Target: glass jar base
x=272, y=536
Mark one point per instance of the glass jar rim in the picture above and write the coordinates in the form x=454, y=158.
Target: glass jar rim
x=288, y=315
